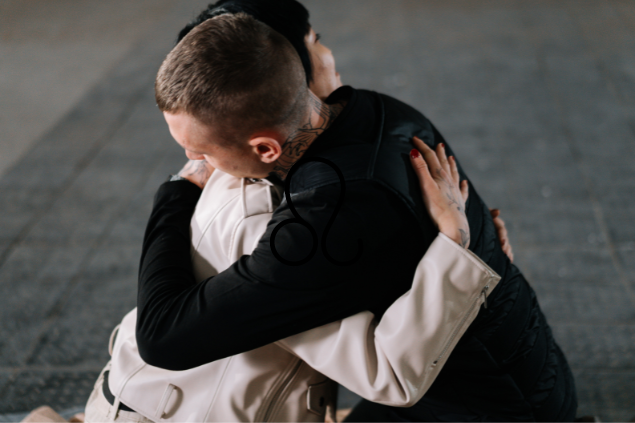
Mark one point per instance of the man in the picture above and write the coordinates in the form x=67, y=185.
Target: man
x=233, y=93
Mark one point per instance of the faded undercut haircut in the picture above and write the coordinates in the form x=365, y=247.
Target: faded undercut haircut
x=288, y=17
x=237, y=75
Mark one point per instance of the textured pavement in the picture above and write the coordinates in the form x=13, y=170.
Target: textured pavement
x=52, y=52
x=536, y=98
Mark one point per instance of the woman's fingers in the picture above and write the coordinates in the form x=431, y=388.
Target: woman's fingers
x=428, y=154
x=465, y=191
x=443, y=158
x=463, y=185
x=454, y=170
x=436, y=159
x=507, y=249
x=422, y=170
x=503, y=236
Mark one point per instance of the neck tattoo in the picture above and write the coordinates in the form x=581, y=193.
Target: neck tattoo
x=321, y=116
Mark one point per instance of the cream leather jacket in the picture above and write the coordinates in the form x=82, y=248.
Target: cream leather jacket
x=391, y=362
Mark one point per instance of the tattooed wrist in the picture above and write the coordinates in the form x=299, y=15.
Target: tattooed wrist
x=457, y=234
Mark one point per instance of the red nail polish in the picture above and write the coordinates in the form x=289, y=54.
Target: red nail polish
x=442, y=145
x=414, y=153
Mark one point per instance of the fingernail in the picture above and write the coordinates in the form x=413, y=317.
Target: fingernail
x=414, y=153
x=442, y=145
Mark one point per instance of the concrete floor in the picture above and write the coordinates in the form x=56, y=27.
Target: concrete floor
x=52, y=53
x=537, y=99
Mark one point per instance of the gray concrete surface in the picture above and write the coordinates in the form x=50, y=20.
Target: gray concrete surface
x=53, y=52
x=537, y=99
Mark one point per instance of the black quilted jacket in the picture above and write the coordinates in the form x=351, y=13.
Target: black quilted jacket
x=507, y=366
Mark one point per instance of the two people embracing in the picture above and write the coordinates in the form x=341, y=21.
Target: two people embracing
x=319, y=234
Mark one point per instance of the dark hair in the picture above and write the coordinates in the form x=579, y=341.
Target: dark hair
x=236, y=74
x=288, y=17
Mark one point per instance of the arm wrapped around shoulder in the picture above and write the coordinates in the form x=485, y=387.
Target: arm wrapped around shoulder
x=385, y=362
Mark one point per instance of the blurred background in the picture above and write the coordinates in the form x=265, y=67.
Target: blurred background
x=536, y=98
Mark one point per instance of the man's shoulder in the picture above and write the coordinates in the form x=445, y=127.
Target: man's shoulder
x=397, y=120
x=362, y=205
x=392, y=104
x=227, y=200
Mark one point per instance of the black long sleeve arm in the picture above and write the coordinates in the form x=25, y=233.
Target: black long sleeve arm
x=182, y=324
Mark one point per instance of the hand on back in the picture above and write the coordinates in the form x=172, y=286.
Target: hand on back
x=443, y=193
x=445, y=196
x=501, y=231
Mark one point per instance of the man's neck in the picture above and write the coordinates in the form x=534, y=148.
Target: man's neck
x=320, y=118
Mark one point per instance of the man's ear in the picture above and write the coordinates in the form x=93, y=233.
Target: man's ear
x=267, y=148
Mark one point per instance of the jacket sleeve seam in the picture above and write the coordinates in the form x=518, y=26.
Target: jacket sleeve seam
x=471, y=256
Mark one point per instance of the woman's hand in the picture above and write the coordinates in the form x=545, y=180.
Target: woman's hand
x=197, y=172
x=443, y=193
x=502, y=233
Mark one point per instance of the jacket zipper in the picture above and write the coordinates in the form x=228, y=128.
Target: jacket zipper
x=460, y=325
x=280, y=390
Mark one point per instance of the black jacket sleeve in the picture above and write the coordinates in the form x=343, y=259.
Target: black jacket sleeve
x=182, y=324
